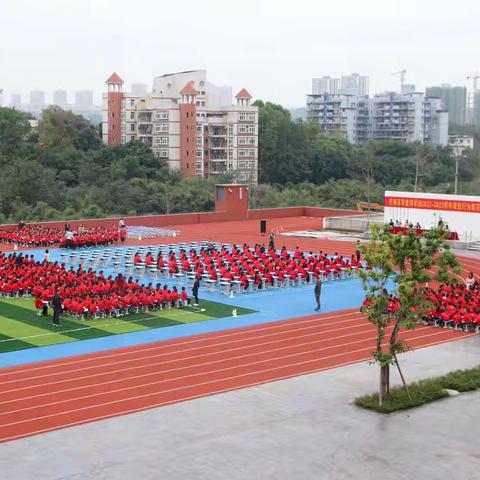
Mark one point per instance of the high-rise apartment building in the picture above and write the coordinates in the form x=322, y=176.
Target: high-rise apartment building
x=454, y=100
x=334, y=113
x=325, y=84
x=84, y=98
x=476, y=108
x=390, y=116
x=353, y=84
x=60, y=98
x=37, y=100
x=179, y=123
x=15, y=100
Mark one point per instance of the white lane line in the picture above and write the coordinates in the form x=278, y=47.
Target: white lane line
x=188, y=349
x=193, y=397
x=160, y=344
x=175, y=360
x=136, y=397
x=94, y=327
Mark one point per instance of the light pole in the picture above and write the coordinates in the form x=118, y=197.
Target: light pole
x=456, y=175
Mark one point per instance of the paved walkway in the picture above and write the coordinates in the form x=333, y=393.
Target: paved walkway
x=301, y=428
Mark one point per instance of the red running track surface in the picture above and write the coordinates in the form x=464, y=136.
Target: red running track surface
x=46, y=396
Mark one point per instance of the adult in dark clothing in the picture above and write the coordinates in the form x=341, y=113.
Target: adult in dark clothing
x=317, y=292
x=358, y=252
x=57, y=308
x=196, y=286
x=21, y=224
x=271, y=241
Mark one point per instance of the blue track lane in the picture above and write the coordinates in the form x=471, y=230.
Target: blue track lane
x=270, y=305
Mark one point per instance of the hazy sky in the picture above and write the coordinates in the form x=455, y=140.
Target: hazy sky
x=271, y=47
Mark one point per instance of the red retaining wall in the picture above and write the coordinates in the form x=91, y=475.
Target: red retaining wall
x=202, y=217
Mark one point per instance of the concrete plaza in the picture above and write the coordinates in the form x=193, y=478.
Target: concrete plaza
x=302, y=428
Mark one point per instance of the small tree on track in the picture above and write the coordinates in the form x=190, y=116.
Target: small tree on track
x=403, y=264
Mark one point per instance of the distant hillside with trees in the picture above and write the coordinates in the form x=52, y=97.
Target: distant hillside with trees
x=62, y=170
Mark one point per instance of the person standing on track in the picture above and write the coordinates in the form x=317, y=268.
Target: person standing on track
x=358, y=252
x=196, y=286
x=318, y=291
x=57, y=308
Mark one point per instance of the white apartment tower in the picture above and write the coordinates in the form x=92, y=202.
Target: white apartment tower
x=181, y=125
x=405, y=117
x=354, y=84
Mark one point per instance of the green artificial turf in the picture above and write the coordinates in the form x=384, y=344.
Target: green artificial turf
x=21, y=328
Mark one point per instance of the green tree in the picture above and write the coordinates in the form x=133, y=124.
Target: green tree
x=61, y=128
x=404, y=264
x=14, y=132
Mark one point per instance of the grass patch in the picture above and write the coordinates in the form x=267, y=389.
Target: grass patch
x=21, y=328
x=423, y=391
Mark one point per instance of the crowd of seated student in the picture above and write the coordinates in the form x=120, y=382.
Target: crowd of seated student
x=84, y=293
x=40, y=236
x=259, y=264
x=97, y=236
x=456, y=305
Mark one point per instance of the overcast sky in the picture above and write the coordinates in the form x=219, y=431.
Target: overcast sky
x=271, y=47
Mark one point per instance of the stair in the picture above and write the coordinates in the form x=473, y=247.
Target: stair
x=474, y=246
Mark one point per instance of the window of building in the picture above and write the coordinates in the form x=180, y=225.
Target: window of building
x=198, y=153
x=199, y=128
x=251, y=117
x=132, y=115
x=241, y=165
x=161, y=140
x=163, y=115
x=161, y=127
x=163, y=153
x=132, y=103
x=132, y=127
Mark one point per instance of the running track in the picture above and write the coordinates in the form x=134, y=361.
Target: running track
x=47, y=396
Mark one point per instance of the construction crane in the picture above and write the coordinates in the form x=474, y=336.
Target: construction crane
x=474, y=77
x=402, y=74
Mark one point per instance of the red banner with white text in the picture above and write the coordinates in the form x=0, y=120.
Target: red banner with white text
x=433, y=204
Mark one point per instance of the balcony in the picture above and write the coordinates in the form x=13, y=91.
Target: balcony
x=145, y=129
x=145, y=117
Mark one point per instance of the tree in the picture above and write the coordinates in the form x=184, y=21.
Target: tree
x=330, y=157
x=61, y=128
x=14, y=131
x=405, y=264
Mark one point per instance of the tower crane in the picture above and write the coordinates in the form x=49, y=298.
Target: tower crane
x=402, y=74
x=474, y=77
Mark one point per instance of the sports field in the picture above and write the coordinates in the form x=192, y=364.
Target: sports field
x=21, y=328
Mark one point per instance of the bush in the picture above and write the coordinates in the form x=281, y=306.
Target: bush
x=424, y=391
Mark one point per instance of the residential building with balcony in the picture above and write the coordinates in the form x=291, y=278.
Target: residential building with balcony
x=181, y=126
x=406, y=117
